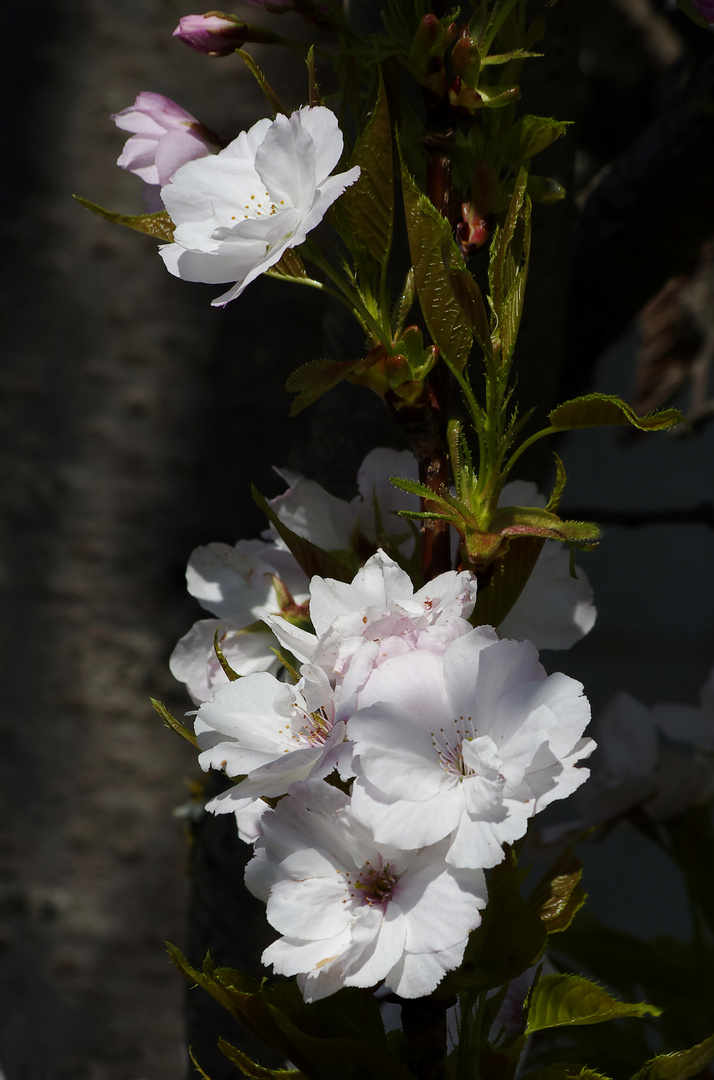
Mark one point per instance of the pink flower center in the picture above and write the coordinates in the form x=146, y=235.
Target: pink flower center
x=448, y=744
x=373, y=885
x=308, y=728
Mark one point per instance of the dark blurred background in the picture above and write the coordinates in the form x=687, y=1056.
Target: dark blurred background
x=134, y=416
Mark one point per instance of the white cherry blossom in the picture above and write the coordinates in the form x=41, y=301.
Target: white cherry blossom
x=376, y=615
x=334, y=524
x=465, y=747
x=237, y=213
x=354, y=912
x=235, y=584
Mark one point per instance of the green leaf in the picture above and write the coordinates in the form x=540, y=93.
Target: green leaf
x=505, y=58
x=544, y=189
x=270, y=95
x=312, y=559
x=661, y=965
x=530, y=135
x=570, y=1000
x=312, y=380
x=508, y=575
x=228, y=671
x=680, y=1065
x=368, y=205
x=414, y=487
x=251, y=1068
x=604, y=410
x=313, y=89
x=159, y=225
x=560, y=481
x=173, y=723
x=534, y=521
x=495, y=97
x=292, y=268
x=558, y=896
x=507, y=251
x=201, y=1072
x=305, y=1033
x=510, y=316
x=470, y=300
x=566, y=1072
x=435, y=256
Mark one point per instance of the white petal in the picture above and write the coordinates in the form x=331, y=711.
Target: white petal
x=321, y=124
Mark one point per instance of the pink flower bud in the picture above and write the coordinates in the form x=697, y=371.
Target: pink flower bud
x=477, y=224
x=164, y=137
x=216, y=34
x=475, y=229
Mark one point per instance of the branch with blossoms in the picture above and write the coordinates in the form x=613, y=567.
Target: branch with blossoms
x=369, y=679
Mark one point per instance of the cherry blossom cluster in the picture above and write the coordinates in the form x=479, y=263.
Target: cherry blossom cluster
x=439, y=741
x=384, y=749
x=237, y=584
x=407, y=750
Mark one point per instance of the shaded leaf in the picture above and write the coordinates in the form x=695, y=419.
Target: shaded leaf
x=251, y=1068
x=270, y=95
x=532, y=134
x=173, y=723
x=304, y=1033
x=312, y=380
x=495, y=97
x=558, y=896
x=566, y=1072
x=570, y=1000
x=560, y=481
x=505, y=58
x=604, y=410
x=313, y=87
x=228, y=671
x=201, y=1072
x=507, y=577
x=505, y=254
x=470, y=300
x=544, y=189
x=158, y=225
x=292, y=268
x=660, y=965
x=312, y=559
x=680, y=1065
x=534, y=521
x=512, y=310
x=435, y=256
x=368, y=205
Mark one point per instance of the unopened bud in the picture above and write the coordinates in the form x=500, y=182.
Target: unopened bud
x=477, y=224
x=218, y=34
x=475, y=229
x=427, y=54
x=463, y=98
x=466, y=59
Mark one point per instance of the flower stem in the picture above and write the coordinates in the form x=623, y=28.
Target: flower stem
x=354, y=300
x=424, y=1026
